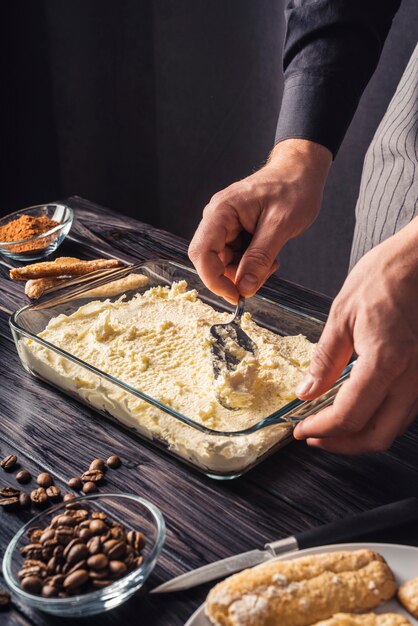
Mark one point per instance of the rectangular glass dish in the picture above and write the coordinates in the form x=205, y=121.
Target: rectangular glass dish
x=217, y=453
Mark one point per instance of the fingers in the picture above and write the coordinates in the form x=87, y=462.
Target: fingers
x=204, y=251
x=390, y=421
x=388, y=407
x=356, y=402
x=259, y=260
x=331, y=355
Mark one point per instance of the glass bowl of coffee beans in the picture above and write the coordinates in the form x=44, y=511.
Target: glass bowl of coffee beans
x=86, y=555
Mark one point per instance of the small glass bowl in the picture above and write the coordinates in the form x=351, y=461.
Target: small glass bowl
x=133, y=512
x=40, y=246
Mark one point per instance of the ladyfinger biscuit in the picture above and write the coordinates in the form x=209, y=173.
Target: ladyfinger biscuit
x=408, y=596
x=302, y=591
x=365, y=619
x=37, y=286
x=48, y=269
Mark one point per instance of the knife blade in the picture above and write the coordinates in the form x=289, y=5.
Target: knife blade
x=349, y=528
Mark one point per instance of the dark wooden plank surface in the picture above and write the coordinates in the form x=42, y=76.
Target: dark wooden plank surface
x=295, y=489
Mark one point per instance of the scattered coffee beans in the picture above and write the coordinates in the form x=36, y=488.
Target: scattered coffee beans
x=114, y=461
x=23, y=477
x=90, y=487
x=24, y=500
x=6, y=492
x=38, y=496
x=92, y=475
x=44, y=480
x=80, y=551
x=8, y=462
x=75, y=483
x=98, y=464
x=4, y=599
x=53, y=492
x=9, y=503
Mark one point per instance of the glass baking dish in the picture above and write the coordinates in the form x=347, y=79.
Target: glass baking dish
x=218, y=454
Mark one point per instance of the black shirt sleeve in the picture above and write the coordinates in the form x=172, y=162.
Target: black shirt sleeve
x=331, y=50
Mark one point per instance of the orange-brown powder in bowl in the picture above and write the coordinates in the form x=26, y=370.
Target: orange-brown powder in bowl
x=25, y=227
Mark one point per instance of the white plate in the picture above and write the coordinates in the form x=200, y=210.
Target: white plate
x=403, y=560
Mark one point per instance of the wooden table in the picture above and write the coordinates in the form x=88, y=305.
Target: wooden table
x=295, y=489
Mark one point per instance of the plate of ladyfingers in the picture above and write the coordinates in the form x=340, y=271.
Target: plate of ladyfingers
x=353, y=584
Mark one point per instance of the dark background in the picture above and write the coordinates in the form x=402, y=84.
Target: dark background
x=150, y=107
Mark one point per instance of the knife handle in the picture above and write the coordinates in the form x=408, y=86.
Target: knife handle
x=352, y=527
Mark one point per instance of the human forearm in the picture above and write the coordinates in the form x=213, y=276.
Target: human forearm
x=331, y=51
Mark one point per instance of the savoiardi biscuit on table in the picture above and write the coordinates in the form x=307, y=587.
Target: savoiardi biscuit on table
x=48, y=269
x=302, y=591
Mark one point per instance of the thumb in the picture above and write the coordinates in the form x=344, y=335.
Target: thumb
x=259, y=260
x=331, y=355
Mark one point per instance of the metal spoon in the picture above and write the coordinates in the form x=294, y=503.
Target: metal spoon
x=228, y=341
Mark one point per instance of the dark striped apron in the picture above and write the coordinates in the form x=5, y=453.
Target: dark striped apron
x=388, y=197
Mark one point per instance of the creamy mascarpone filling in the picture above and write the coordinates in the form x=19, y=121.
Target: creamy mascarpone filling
x=158, y=343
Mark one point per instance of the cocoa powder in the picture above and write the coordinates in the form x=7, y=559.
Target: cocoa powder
x=26, y=227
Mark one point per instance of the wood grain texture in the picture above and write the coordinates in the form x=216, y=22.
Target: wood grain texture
x=206, y=520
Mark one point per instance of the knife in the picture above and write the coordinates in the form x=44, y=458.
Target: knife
x=374, y=520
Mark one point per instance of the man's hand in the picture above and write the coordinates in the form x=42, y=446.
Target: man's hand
x=376, y=315
x=245, y=226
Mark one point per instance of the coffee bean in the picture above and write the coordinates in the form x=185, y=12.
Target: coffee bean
x=98, y=562
x=98, y=464
x=117, y=568
x=90, y=487
x=32, y=550
x=76, y=579
x=114, y=461
x=49, y=591
x=58, y=551
x=57, y=581
x=94, y=545
x=97, y=526
x=4, y=598
x=92, y=475
x=35, y=534
x=68, y=497
x=99, y=515
x=44, y=480
x=85, y=534
x=24, y=500
x=100, y=574
x=136, y=540
x=64, y=535
x=32, y=584
x=9, y=503
x=118, y=533
x=114, y=549
x=23, y=477
x=53, y=492
x=49, y=533
x=6, y=492
x=75, y=483
x=77, y=553
x=38, y=496
x=75, y=567
x=38, y=571
x=81, y=515
x=65, y=520
x=138, y=561
x=8, y=462
x=53, y=564
x=68, y=547
x=100, y=584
